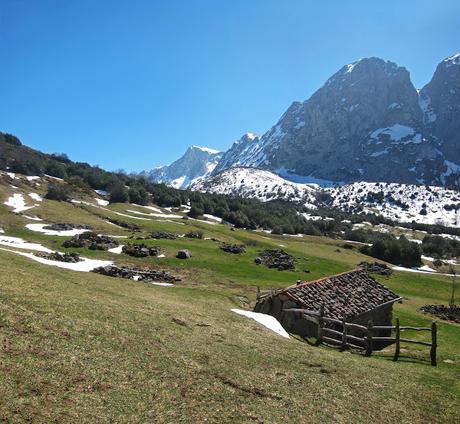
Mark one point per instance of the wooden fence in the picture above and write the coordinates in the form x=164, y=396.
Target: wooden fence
x=345, y=340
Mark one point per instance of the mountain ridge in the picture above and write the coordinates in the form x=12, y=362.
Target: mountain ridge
x=366, y=123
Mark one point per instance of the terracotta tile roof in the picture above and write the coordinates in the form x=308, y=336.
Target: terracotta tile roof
x=343, y=295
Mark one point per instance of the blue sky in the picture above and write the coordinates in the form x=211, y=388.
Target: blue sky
x=131, y=84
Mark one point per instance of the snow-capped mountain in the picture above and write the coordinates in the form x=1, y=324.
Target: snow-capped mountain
x=367, y=123
x=398, y=202
x=257, y=184
x=197, y=162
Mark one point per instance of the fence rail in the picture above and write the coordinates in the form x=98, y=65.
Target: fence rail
x=345, y=340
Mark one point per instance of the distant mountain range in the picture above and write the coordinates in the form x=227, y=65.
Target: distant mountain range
x=366, y=123
x=196, y=163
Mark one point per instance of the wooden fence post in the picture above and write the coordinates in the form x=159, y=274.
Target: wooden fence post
x=344, y=335
x=398, y=341
x=369, y=338
x=258, y=293
x=320, y=325
x=434, y=342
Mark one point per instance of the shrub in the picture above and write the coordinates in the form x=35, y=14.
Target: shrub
x=58, y=192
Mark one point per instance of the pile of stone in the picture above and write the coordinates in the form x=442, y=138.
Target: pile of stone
x=127, y=225
x=92, y=241
x=232, y=248
x=137, y=274
x=376, y=268
x=72, y=258
x=60, y=226
x=194, y=235
x=276, y=258
x=140, y=250
x=448, y=313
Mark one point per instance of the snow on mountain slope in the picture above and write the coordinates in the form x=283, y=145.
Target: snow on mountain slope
x=196, y=163
x=257, y=184
x=400, y=202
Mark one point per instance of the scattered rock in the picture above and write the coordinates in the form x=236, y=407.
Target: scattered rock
x=276, y=258
x=61, y=257
x=65, y=227
x=184, y=254
x=140, y=250
x=92, y=241
x=232, y=248
x=194, y=235
x=127, y=225
x=163, y=235
x=137, y=274
x=448, y=313
x=376, y=268
x=449, y=361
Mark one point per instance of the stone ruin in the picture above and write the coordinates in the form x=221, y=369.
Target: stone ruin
x=60, y=226
x=233, y=248
x=137, y=274
x=376, y=268
x=276, y=258
x=448, y=313
x=61, y=257
x=140, y=250
x=92, y=241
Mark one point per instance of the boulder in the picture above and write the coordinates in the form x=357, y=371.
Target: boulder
x=183, y=254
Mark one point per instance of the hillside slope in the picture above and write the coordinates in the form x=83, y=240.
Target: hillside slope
x=126, y=351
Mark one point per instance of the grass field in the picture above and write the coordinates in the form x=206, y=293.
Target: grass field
x=80, y=347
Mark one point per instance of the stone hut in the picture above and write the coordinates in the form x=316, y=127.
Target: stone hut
x=353, y=296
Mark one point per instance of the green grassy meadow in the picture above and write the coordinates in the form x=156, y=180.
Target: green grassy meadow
x=81, y=347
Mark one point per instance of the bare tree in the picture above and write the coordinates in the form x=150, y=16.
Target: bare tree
x=454, y=276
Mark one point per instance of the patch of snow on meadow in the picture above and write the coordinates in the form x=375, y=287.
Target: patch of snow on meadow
x=19, y=243
x=18, y=203
x=36, y=197
x=117, y=250
x=266, y=320
x=39, y=228
x=101, y=202
x=212, y=217
x=86, y=265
